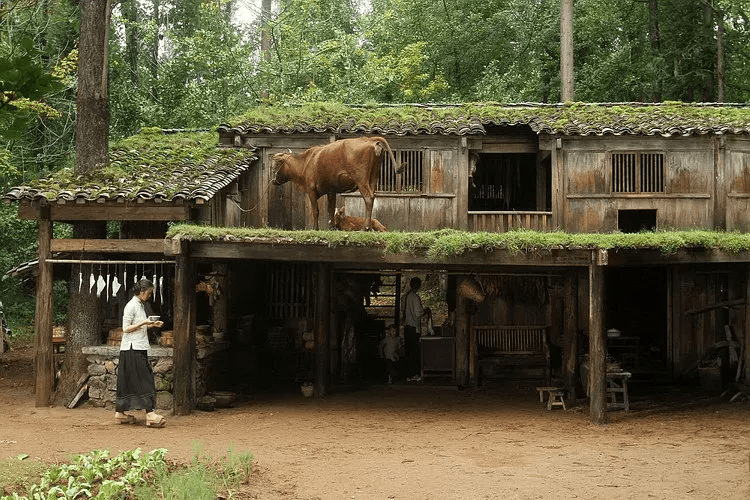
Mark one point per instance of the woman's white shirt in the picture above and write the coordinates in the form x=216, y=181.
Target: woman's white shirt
x=134, y=313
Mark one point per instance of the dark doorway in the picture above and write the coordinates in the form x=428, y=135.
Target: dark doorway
x=637, y=308
x=634, y=221
x=504, y=182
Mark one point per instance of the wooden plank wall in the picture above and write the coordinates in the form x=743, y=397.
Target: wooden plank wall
x=589, y=205
x=738, y=184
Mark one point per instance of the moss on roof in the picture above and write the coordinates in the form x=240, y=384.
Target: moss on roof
x=446, y=243
x=580, y=118
x=151, y=164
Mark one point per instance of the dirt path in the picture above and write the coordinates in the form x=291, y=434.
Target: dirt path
x=410, y=442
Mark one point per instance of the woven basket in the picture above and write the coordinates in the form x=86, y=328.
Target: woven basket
x=114, y=337
x=470, y=289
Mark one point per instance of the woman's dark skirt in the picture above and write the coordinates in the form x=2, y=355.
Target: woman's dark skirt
x=136, y=389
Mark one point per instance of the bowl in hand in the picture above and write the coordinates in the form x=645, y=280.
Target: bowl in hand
x=153, y=318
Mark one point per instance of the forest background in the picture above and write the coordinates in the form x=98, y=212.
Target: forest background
x=193, y=64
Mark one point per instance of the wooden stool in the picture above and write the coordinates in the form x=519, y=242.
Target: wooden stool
x=544, y=389
x=556, y=398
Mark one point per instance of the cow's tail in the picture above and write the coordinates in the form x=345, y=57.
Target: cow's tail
x=399, y=168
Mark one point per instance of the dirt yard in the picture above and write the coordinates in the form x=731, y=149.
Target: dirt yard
x=420, y=442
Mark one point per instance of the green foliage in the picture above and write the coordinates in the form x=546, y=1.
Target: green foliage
x=446, y=243
x=19, y=471
x=555, y=118
x=131, y=474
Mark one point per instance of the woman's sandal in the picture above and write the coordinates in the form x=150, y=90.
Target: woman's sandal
x=124, y=418
x=155, y=421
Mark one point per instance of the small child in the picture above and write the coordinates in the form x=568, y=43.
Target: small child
x=389, y=348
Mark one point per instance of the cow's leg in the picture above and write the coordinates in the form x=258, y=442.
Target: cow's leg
x=331, y=208
x=369, y=196
x=314, y=208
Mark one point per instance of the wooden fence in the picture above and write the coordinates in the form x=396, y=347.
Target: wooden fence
x=501, y=222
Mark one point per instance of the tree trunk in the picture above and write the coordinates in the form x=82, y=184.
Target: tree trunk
x=265, y=37
x=92, y=153
x=132, y=38
x=155, y=52
x=653, y=8
x=91, y=108
x=720, y=56
x=566, y=51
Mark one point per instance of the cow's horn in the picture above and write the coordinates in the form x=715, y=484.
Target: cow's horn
x=290, y=151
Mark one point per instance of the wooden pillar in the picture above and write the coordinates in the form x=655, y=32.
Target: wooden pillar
x=746, y=342
x=322, y=329
x=570, y=335
x=397, y=305
x=597, y=352
x=184, y=331
x=465, y=369
x=220, y=309
x=44, y=363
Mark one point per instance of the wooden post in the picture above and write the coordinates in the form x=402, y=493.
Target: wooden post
x=464, y=374
x=44, y=363
x=566, y=51
x=322, y=329
x=184, y=331
x=220, y=309
x=597, y=362
x=746, y=341
x=570, y=336
x=397, y=305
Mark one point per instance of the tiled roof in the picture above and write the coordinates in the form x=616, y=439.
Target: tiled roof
x=581, y=119
x=152, y=165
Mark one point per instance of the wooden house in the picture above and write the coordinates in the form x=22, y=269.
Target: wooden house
x=580, y=168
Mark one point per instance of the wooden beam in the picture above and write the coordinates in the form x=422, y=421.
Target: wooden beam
x=597, y=351
x=106, y=211
x=515, y=147
x=718, y=305
x=464, y=351
x=184, y=333
x=322, y=328
x=108, y=246
x=746, y=340
x=275, y=251
x=44, y=359
x=220, y=308
x=570, y=335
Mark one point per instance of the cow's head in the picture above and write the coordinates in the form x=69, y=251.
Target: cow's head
x=279, y=168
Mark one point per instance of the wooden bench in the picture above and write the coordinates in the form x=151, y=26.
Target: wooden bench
x=513, y=350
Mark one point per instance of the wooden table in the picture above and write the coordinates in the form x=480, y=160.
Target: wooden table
x=438, y=357
x=617, y=390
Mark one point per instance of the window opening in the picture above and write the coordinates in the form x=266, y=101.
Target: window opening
x=634, y=221
x=504, y=181
x=412, y=177
x=289, y=291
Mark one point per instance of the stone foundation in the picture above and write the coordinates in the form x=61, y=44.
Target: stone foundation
x=103, y=361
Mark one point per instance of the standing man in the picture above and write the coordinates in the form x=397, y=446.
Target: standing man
x=413, y=313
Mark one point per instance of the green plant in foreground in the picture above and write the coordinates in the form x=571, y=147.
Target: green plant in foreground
x=133, y=474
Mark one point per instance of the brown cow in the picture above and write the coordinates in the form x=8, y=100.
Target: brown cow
x=339, y=167
x=351, y=223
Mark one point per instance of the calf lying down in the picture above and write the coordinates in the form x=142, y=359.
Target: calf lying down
x=349, y=223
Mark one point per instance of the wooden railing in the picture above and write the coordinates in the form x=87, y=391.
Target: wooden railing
x=504, y=339
x=501, y=222
x=515, y=348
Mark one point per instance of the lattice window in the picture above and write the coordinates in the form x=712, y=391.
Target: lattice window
x=411, y=178
x=289, y=289
x=638, y=172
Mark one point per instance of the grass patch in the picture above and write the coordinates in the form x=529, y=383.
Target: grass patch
x=446, y=243
x=17, y=473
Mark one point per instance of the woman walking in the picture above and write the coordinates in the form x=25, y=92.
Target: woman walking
x=136, y=389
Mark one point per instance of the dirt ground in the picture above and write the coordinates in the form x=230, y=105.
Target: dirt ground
x=420, y=442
